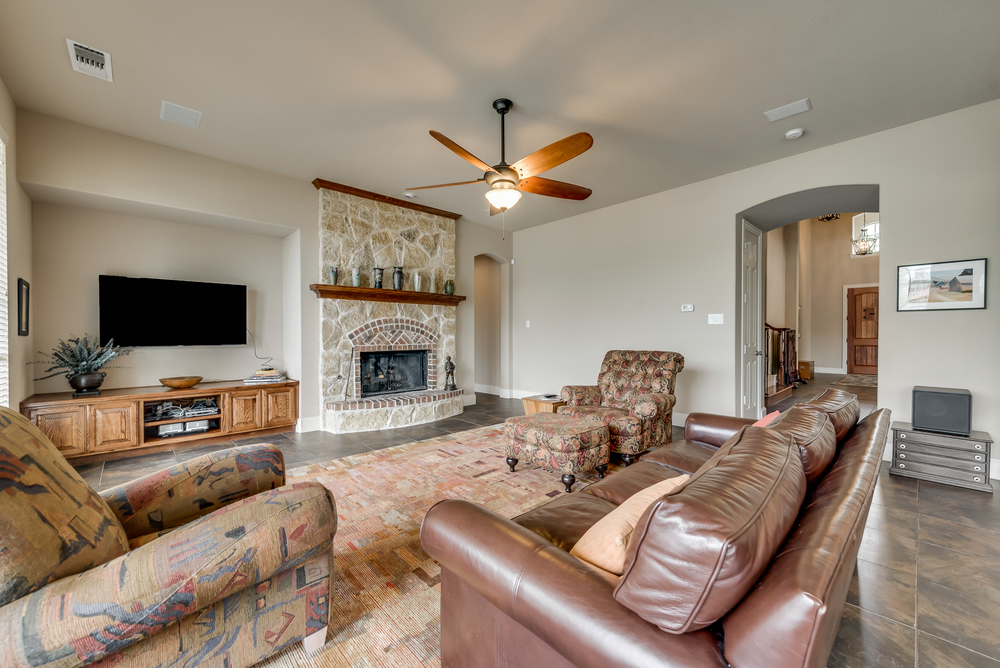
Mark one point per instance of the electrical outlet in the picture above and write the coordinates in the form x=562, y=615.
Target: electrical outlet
x=527, y=323
x=715, y=318
x=687, y=308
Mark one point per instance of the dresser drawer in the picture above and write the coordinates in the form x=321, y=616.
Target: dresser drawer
x=942, y=471
x=943, y=441
x=961, y=464
x=968, y=455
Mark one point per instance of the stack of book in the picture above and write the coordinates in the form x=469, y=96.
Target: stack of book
x=264, y=376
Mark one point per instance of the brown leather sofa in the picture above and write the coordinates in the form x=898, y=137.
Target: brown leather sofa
x=512, y=595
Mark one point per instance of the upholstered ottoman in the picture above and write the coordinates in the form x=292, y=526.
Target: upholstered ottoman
x=559, y=443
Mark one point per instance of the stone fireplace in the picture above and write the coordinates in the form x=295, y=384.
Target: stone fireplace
x=361, y=340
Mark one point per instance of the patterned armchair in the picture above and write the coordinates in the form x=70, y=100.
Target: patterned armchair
x=634, y=396
x=211, y=562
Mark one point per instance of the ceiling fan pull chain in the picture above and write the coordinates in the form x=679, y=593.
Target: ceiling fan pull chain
x=503, y=225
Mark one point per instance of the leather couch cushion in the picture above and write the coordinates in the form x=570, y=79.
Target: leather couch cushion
x=813, y=433
x=620, y=486
x=604, y=543
x=842, y=408
x=566, y=518
x=698, y=550
x=52, y=523
x=687, y=456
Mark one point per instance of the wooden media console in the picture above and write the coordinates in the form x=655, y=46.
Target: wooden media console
x=122, y=422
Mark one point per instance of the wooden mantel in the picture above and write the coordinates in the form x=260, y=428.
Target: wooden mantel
x=384, y=295
x=367, y=194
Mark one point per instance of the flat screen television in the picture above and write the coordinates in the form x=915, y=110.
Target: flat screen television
x=146, y=312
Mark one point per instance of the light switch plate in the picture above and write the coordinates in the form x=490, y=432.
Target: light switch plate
x=686, y=308
x=527, y=323
x=715, y=318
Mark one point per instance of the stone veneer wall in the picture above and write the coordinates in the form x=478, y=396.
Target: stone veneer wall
x=363, y=233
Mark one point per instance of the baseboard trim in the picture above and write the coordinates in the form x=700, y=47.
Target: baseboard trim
x=469, y=398
x=829, y=369
x=488, y=389
x=309, y=424
x=521, y=394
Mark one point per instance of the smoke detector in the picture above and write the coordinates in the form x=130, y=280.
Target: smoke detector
x=794, y=133
x=88, y=60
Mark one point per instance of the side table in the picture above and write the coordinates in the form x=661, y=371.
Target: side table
x=542, y=403
x=963, y=461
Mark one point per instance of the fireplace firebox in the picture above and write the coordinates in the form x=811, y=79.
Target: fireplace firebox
x=391, y=372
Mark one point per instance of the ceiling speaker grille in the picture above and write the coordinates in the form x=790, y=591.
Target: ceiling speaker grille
x=88, y=60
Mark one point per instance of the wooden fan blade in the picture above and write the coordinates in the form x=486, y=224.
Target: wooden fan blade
x=550, y=188
x=554, y=154
x=445, y=185
x=462, y=152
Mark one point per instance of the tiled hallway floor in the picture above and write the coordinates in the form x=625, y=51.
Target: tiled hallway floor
x=926, y=591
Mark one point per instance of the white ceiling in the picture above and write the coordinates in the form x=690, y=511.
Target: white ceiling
x=673, y=92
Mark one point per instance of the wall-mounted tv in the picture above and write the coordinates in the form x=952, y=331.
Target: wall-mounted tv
x=146, y=312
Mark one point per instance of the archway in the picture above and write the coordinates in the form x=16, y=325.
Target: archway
x=757, y=221
x=492, y=301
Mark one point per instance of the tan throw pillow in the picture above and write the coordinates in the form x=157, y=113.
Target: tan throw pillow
x=604, y=543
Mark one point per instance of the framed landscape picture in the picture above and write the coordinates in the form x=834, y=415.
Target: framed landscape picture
x=941, y=286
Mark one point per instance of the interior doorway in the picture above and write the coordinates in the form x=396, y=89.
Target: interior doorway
x=488, y=317
x=809, y=317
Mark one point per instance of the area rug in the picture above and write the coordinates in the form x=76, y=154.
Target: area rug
x=857, y=380
x=385, y=602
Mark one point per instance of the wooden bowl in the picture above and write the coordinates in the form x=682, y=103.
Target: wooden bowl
x=180, y=382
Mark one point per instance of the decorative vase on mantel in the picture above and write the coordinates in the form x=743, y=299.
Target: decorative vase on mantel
x=86, y=384
x=397, y=278
x=449, y=287
x=416, y=281
x=377, y=277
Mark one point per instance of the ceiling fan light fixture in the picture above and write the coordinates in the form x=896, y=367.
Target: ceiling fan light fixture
x=503, y=198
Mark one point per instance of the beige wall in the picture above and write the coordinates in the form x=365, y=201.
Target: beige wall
x=487, y=324
x=67, y=163
x=20, y=348
x=623, y=271
x=73, y=246
x=775, y=279
x=472, y=239
x=832, y=269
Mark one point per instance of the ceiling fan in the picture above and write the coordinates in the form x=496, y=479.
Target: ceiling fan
x=507, y=181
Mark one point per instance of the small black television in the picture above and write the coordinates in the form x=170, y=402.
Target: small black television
x=147, y=312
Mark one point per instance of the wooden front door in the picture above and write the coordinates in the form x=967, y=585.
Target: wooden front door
x=862, y=330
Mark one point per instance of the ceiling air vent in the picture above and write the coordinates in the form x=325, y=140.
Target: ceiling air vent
x=89, y=60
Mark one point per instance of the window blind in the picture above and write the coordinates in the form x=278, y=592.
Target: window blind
x=4, y=320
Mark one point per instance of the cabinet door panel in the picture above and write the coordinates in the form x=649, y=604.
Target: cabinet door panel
x=66, y=427
x=245, y=412
x=114, y=426
x=280, y=407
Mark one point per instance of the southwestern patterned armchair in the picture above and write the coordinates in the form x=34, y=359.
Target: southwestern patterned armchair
x=213, y=562
x=634, y=396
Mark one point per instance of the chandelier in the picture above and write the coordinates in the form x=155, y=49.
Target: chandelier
x=828, y=217
x=866, y=243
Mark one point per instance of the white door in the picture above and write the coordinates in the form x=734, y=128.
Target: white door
x=752, y=334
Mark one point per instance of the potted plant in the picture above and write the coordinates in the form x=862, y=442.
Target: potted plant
x=81, y=361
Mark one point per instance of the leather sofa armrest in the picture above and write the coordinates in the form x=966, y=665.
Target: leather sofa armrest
x=562, y=600
x=713, y=429
x=83, y=618
x=581, y=395
x=173, y=497
x=654, y=404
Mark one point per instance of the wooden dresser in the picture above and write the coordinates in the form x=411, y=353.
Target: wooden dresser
x=951, y=460
x=121, y=422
